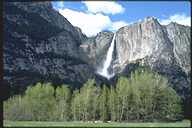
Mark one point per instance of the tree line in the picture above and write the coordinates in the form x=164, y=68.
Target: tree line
x=145, y=96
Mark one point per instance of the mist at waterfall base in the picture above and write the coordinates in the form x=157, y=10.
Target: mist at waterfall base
x=104, y=70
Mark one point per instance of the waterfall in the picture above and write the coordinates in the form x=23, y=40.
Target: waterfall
x=104, y=71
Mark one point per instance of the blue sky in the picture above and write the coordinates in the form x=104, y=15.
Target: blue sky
x=93, y=17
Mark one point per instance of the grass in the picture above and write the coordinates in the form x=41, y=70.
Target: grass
x=184, y=123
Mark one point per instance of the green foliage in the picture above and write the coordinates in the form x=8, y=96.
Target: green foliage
x=85, y=102
x=38, y=103
x=145, y=96
x=76, y=106
x=16, y=108
x=41, y=100
x=63, y=98
x=103, y=104
x=113, y=103
x=168, y=104
x=88, y=100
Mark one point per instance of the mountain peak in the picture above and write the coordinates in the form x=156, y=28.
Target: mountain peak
x=149, y=18
x=172, y=23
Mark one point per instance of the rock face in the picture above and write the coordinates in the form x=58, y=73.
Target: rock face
x=94, y=49
x=149, y=39
x=180, y=37
x=41, y=45
x=165, y=49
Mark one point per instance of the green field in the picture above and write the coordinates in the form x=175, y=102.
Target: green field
x=185, y=123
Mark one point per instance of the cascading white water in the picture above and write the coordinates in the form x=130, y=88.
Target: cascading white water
x=104, y=71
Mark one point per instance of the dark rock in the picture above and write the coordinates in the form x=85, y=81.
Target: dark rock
x=41, y=45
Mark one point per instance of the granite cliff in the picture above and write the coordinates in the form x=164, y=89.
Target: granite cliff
x=165, y=49
x=42, y=45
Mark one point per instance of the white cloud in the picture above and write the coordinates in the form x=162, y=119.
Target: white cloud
x=107, y=7
x=89, y=23
x=118, y=24
x=178, y=18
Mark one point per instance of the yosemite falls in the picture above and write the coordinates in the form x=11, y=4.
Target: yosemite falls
x=104, y=71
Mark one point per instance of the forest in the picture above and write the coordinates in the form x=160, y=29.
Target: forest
x=144, y=96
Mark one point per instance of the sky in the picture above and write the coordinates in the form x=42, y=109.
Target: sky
x=96, y=16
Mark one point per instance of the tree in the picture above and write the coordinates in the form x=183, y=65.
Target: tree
x=103, y=104
x=113, y=104
x=172, y=107
x=133, y=102
x=63, y=98
x=155, y=99
x=144, y=81
x=41, y=101
x=168, y=104
x=145, y=96
x=122, y=95
x=15, y=108
x=128, y=99
x=76, y=106
x=88, y=95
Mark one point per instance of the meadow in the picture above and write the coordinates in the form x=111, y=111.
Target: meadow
x=184, y=123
